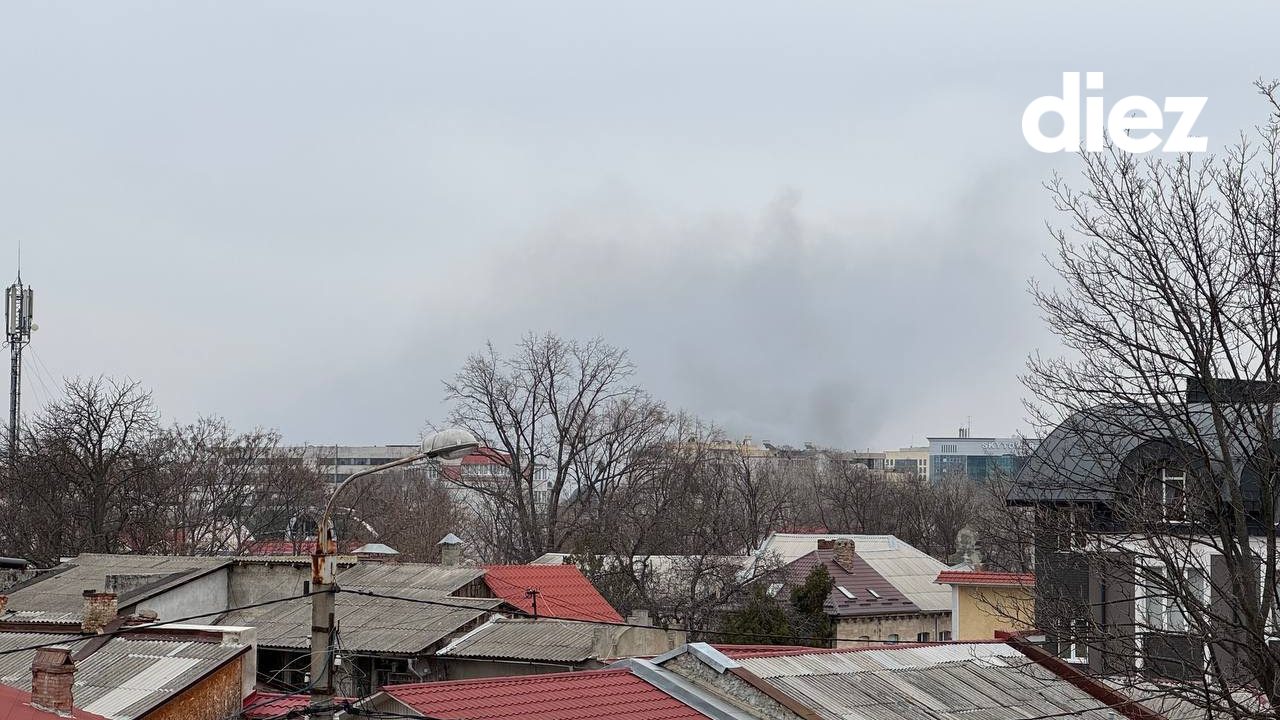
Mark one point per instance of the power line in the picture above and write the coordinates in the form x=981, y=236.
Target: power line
x=623, y=623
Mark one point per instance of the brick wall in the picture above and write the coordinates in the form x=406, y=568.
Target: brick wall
x=881, y=627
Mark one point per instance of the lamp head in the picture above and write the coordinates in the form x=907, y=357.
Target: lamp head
x=449, y=444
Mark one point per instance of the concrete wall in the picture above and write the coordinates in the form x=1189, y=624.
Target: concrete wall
x=255, y=582
x=207, y=594
x=881, y=627
x=981, y=611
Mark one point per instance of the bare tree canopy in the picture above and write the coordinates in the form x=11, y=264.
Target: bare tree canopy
x=1158, y=485
x=567, y=421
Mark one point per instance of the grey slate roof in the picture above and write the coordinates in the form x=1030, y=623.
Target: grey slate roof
x=378, y=625
x=125, y=677
x=544, y=639
x=960, y=681
x=1082, y=459
x=61, y=589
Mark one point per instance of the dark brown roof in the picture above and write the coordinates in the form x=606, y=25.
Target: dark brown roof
x=865, y=591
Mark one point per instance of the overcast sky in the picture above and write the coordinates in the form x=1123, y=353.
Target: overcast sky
x=806, y=221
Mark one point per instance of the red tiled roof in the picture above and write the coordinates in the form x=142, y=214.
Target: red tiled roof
x=563, y=591
x=986, y=579
x=873, y=594
x=15, y=704
x=261, y=705
x=588, y=695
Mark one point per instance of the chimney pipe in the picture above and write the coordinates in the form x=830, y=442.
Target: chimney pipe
x=845, y=553
x=451, y=550
x=99, y=609
x=52, y=675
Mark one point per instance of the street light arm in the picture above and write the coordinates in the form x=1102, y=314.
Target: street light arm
x=328, y=507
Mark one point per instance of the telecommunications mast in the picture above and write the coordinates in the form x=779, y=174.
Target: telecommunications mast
x=18, y=326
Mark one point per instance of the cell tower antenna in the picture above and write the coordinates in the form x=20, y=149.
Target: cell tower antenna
x=18, y=326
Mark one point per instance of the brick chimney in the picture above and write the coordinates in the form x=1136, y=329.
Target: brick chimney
x=4, y=603
x=99, y=609
x=52, y=675
x=844, y=553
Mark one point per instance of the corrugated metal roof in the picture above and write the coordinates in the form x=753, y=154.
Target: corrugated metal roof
x=62, y=588
x=125, y=677
x=946, y=682
x=378, y=625
x=549, y=640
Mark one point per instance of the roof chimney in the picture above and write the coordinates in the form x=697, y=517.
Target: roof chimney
x=99, y=609
x=826, y=544
x=4, y=603
x=844, y=553
x=451, y=548
x=52, y=675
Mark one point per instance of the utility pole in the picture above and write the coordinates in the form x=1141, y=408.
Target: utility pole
x=532, y=594
x=18, y=327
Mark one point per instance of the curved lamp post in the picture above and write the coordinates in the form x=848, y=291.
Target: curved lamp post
x=450, y=444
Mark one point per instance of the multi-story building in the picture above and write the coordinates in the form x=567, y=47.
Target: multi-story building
x=908, y=461
x=337, y=462
x=1148, y=523
x=978, y=458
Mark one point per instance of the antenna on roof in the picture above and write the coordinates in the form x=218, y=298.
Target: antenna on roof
x=18, y=326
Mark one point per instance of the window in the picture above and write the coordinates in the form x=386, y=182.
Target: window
x=1173, y=493
x=893, y=638
x=1071, y=524
x=1160, y=609
x=922, y=637
x=845, y=591
x=945, y=635
x=1077, y=641
x=873, y=593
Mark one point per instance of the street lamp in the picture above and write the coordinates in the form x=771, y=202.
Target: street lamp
x=450, y=444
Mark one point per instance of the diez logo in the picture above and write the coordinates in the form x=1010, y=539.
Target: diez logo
x=1127, y=115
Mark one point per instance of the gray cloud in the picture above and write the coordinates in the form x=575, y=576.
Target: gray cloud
x=807, y=222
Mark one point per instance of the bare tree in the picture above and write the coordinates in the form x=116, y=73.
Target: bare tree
x=1158, y=487
x=406, y=510
x=222, y=490
x=89, y=472
x=567, y=423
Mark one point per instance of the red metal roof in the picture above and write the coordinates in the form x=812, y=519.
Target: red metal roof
x=261, y=705
x=588, y=695
x=15, y=704
x=563, y=591
x=986, y=579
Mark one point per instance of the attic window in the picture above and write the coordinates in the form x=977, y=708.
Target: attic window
x=874, y=594
x=774, y=588
x=845, y=591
